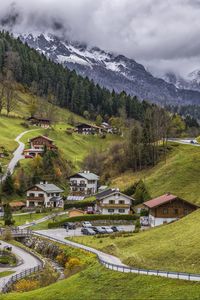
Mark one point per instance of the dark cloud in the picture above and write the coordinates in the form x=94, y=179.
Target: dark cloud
x=164, y=35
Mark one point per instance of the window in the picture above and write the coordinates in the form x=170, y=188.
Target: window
x=31, y=195
x=48, y=195
x=111, y=210
x=41, y=195
x=165, y=211
x=57, y=194
x=176, y=211
x=121, y=201
x=111, y=202
x=121, y=210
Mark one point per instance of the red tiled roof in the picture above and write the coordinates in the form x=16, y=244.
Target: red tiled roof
x=160, y=200
x=17, y=204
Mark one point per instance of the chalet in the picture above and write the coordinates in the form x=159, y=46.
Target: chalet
x=107, y=127
x=38, y=144
x=83, y=183
x=112, y=201
x=87, y=129
x=44, y=195
x=44, y=123
x=167, y=208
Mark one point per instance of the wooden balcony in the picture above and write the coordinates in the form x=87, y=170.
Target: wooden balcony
x=115, y=205
x=39, y=199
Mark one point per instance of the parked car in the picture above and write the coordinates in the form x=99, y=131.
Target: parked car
x=86, y=224
x=100, y=230
x=28, y=156
x=90, y=210
x=69, y=225
x=107, y=229
x=120, y=229
x=114, y=228
x=144, y=221
x=88, y=231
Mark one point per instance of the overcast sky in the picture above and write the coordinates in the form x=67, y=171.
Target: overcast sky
x=164, y=35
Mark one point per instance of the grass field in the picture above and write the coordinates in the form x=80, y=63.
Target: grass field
x=6, y=273
x=179, y=175
x=173, y=247
x=22, y=219
x=44, y=225
x=97, y=283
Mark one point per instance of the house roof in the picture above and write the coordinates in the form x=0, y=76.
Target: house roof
x=56, y=199
x=162, y=200
x=108, y=192
x=86, y=175
x=48, y=188
x=41, y=136
x=17, y=204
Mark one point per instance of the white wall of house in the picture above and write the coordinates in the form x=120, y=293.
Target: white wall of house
x=113, y=200
x=47, y=197
x=153, y=221
x=112, y=211
x=79, y=181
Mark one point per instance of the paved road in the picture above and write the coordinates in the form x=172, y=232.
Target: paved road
x=60, y=234
x=110, y=261
x=17, y=155
x=27, y=261
x=185, y=141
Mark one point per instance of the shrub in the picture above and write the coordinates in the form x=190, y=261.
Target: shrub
x=7, y=234
x=72, y=263
x=93, y=218
x=62, y=259
x=25, y=285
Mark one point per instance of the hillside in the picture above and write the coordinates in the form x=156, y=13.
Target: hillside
x=178, y=175
x=19, y=63
x=93, y=282
x=173, y=247
x=113, y=71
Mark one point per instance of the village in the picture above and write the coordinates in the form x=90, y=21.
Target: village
x=84, y=185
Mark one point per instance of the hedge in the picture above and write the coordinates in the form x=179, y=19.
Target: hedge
x=78, y=204
x=92, y=218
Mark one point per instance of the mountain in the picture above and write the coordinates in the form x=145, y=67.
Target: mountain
x=190, y=82
x=112, y=71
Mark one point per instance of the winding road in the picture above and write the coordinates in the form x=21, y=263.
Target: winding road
x=17, y=155
x=27, y=261
x=110, y=261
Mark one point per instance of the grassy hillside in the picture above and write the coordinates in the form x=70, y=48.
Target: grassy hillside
x=178, y=175
x=96, y=282
x=173, y=247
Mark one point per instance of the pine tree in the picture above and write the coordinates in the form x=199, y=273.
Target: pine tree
x=8, y=185
x=7, y=215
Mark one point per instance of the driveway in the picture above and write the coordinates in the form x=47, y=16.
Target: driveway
x=28, y=261
x=17, y=155
x=62, y=233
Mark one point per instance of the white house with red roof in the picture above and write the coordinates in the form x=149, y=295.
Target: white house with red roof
x=168, y=208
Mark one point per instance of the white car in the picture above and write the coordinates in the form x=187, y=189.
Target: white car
x=107, y=229
x=86, y=224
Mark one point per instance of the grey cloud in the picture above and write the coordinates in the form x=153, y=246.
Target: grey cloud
x=162, y=34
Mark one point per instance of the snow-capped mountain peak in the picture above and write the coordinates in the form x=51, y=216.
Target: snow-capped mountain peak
x=112, y=71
